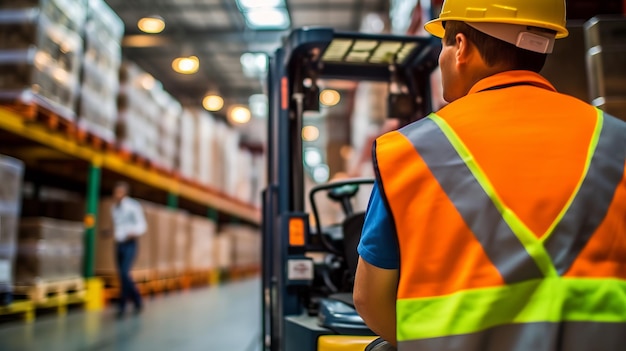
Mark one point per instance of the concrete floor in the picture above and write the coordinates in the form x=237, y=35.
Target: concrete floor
x=225, y=318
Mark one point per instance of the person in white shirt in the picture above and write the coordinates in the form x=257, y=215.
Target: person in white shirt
x=129, y=223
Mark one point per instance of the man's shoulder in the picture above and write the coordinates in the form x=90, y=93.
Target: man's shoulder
x=129, y=201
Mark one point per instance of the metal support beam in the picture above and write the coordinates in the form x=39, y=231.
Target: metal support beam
x=172, y=200
x=91, y=218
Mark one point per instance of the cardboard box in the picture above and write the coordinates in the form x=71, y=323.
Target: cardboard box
x=49, y=250
x=201, y=251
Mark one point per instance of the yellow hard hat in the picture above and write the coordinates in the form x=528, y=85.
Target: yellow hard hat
x=548, y=14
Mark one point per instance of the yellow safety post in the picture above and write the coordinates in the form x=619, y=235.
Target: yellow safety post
x=94, y=298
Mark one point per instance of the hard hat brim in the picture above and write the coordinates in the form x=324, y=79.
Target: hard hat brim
x=435, y=27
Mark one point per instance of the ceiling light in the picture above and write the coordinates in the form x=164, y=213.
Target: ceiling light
x=213, y=103
x=151, y=24
x=267, y=18
x=240, y=114
x=330, y=97
x=251, y=4
x=258, y=105
x=186, y=65
x=312, y=157
x=321, y=173
x=254, y=64
x=310, y=133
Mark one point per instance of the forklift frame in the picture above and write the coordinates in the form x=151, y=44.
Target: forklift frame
x=309, y=54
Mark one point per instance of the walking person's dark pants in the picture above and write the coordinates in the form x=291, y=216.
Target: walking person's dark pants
x=126, y=253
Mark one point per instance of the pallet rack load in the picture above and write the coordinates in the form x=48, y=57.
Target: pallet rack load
x=11, y=172
x=97, y=108
x=41, y=54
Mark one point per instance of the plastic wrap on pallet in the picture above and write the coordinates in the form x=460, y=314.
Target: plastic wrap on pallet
x=218, y=174
x=169, y=124
x=207, y=130
x=48, y=250
x=179, y=240
x=11, y=173
x=101, y=63
x=40, y=53
x=160, y=232
x=187, y=156
x=246, y=241
x=105, y=242
x=137, y=128
x=224, y=254
x=201, y=244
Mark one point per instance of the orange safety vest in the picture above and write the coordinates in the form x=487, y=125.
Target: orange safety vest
x=510, y=210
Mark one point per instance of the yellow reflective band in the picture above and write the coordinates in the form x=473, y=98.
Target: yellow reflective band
x=533, y=246
x=540, y=300
x=592, y=149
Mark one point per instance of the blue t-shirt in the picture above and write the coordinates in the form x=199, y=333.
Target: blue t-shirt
x=379, y=242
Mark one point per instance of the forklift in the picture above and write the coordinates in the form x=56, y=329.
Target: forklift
x=307, y=302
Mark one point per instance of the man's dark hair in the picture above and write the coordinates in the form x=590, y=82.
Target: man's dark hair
x=495, y=51
x=122, y=184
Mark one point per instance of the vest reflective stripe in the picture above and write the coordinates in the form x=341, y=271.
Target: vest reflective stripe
x=540, y=300
x=605, y=172
x=546, y=336
x=473, y=201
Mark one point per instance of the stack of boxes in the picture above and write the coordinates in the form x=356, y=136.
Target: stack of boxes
x=245, y=243
x=201, y=244
x=97, y=109
x=48, y=250
x=205, y=135
x=40, y=53
x=187, y=160
x=169, y=129
x=606, y=68
x=139, y=115
x=11, y=172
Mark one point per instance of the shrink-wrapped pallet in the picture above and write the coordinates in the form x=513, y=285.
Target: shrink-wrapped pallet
x=48, y=250
x=179, y=241
x=11, y=173
x=40, y=53
x=224, y=254
x=137, y=128
x=101, y=63
x=246, y=241
x=169, y=129
x=206, y=133
x=187, y=154
x=201, y=244
x=160, y=233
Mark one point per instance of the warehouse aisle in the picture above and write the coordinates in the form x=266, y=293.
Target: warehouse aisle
x=221, y=318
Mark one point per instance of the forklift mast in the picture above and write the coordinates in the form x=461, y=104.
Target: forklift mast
x=308, y=55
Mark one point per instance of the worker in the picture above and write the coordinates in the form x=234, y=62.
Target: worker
x=498, y=222
x=129, y=223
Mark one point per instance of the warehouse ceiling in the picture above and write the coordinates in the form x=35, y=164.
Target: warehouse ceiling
x=215, y=31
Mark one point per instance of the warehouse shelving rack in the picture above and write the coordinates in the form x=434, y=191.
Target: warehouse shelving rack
x=57, y=156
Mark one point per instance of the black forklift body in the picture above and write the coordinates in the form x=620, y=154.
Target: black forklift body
x=308, y=55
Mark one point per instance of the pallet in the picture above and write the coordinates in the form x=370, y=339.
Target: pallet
x=86, y=137
x=36, y=112
x=202, y=278
x=42, y=292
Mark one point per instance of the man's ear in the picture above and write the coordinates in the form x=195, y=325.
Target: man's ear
x=463, y=49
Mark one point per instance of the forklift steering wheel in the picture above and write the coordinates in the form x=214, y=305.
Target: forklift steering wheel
x=340, y=191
